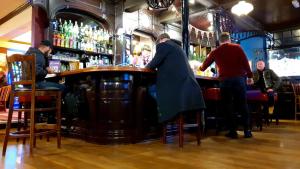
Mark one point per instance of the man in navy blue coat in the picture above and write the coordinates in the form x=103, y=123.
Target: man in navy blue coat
x=177, y=88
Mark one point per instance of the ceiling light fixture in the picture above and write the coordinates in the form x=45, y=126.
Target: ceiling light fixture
x=192, y=1
x=160, y=4
x=242, y=8
x=295, y=3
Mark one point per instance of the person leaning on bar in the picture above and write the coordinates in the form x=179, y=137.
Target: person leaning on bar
x=233, y=68
x=177, y=89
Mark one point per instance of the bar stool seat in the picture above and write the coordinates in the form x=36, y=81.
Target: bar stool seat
x=27, y=99
x=258, y=96
x=212, y=94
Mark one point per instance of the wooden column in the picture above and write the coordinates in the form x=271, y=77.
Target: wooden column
x=185, y=26
x=40, y=23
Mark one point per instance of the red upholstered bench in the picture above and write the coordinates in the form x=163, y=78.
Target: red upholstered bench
x=259, y=98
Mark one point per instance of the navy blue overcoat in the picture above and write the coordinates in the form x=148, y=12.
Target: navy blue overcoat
x=177, y=88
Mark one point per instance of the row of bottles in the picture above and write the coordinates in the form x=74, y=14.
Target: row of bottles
x=69, y=34
x=92, y=61
x=64, y=61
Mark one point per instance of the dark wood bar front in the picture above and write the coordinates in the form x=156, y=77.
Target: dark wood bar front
x=110, y=103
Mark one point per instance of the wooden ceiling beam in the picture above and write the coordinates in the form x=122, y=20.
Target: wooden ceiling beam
x=14, y=12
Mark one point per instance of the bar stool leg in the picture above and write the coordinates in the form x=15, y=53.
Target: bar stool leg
x=198, y=119
x=164, y=134
x=19, y=122
x=8, y=125
x=25, y=124
x=58, y=119
x=32, y=125
x=180, y=128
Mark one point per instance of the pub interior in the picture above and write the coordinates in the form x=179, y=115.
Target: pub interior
x=109, y=116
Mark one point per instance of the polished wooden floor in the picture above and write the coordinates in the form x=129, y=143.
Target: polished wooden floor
x=274, y=147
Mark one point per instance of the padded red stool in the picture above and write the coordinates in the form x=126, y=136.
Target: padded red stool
x=259, y=98
x=213, y=96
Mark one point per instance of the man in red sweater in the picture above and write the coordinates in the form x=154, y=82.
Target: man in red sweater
x=233, y=69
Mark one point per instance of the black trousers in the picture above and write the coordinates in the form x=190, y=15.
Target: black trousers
x=234, y=100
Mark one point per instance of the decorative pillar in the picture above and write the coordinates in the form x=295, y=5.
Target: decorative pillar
x=217, y=28
x=185, y=26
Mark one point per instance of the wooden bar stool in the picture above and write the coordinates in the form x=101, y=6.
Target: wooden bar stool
x=180, y=128
x=22, y=70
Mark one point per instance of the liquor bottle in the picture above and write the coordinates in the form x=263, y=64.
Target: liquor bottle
x=62, y=40
x=75, y=31
x=65, y=27
x=58, y=39
x=59, y=32
x=69, y=40
x=110, y=51
x=55, y=32
x=80, y=37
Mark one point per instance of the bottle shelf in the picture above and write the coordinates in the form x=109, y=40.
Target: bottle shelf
x=77, y=51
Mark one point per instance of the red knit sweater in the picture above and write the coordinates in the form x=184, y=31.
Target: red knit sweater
x=231, y=61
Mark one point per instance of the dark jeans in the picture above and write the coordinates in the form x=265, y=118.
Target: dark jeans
x=49, y=85
x=271, y=99
x=233, y=94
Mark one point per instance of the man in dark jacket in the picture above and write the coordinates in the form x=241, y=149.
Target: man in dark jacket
x=42, y=65
x=177, y=88
x=268, y=82
x=233, y=68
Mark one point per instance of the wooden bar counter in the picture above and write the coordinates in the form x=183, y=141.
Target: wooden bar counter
x=108, y=104
x=206, y=82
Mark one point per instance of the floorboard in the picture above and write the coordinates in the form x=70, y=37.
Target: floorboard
x=274, y=147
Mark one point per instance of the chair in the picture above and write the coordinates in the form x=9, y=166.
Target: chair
x=296, y=90
x=22, y=71
x=180, y=127
x=4, y=95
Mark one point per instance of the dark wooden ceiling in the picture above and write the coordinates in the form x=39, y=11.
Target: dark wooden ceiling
x=271, y=15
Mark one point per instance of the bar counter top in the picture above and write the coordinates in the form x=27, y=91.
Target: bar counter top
x=106, y=69
x=207, y=78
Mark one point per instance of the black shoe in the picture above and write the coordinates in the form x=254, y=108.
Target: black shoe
x=248, y=134
x=232, y=134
